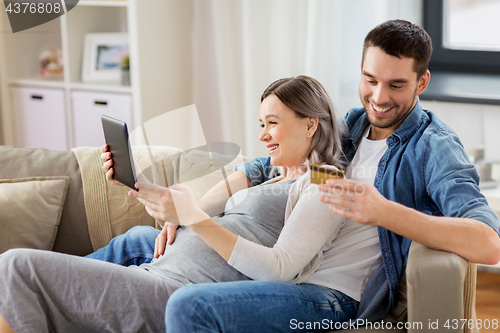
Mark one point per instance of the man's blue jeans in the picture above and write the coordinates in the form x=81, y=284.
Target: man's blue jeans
x=134, y=247
x=257, y=306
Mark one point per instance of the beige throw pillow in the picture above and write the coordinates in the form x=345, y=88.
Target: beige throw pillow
x=30, y=211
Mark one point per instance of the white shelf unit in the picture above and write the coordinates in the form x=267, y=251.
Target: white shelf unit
x=115, y=3
x=19, y=52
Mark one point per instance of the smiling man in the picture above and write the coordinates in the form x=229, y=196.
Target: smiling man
x=408, y=177
x=389, y=89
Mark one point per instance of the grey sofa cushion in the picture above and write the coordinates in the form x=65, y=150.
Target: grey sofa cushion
x=30, y=211
x=72, y=236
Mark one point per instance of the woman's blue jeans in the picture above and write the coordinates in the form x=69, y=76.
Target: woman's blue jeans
x=134, y=247
x=257, y=306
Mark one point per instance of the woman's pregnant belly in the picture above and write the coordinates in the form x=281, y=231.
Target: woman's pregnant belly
x=190, y=260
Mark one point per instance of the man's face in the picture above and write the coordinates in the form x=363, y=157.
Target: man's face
x=388, y=89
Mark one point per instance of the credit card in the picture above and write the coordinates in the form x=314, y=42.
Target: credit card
x=320, y=173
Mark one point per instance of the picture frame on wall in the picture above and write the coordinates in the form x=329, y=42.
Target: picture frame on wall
x=102, y=56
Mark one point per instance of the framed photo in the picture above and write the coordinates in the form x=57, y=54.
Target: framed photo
x=102, y=56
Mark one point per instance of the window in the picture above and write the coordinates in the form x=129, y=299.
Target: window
x=464, y=35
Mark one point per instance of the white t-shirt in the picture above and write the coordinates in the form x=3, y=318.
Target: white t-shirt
x=364, y=165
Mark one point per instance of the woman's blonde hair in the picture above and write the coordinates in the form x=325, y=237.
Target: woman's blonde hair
x=307, y=98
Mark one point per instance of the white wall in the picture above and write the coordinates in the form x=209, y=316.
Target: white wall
x=172, y=47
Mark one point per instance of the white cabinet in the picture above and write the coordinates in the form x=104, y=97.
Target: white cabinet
x=40, y=117
x=87, y=110
x=148, y=25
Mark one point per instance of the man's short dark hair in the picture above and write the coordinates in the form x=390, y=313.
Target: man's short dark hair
x=402, y=38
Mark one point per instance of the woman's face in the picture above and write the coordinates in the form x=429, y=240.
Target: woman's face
x=284, y=134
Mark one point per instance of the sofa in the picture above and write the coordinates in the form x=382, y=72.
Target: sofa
x=81, y=212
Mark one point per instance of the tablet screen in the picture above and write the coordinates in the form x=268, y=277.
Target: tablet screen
x=116, y=135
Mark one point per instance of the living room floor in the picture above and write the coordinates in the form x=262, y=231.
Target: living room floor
x=488, y=297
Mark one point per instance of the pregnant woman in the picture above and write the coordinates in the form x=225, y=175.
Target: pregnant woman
x=44, y=291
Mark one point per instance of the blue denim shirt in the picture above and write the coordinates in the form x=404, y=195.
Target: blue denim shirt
x=424, y=167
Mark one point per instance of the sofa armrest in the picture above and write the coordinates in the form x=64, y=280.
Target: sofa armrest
x=439, y=287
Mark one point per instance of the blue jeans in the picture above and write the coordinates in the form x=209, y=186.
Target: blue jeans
x=257, y=306
x=134, y=247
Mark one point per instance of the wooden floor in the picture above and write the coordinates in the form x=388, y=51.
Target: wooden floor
x=488, y=298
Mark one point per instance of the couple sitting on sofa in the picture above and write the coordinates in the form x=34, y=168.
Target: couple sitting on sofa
x=342, y=266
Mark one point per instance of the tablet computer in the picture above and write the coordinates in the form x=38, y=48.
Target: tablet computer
x=116, y=136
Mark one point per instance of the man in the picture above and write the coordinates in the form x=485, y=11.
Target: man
x=423, y=189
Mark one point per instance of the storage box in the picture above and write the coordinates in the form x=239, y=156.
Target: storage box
x=87, y=110
x=40, y=117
